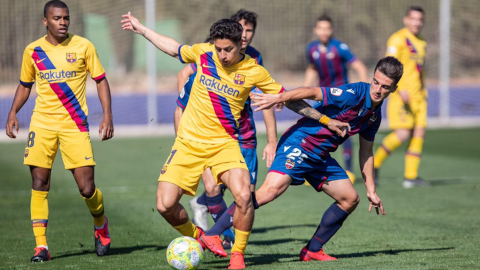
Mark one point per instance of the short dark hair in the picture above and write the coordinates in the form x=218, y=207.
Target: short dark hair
x=226, y=29
x=414, y=8
x=246, y=15
x=53, y=4
x=325, y=18
x=391, y=67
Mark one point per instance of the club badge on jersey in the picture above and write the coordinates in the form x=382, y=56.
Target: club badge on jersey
x=71, y=58
x=239, y=79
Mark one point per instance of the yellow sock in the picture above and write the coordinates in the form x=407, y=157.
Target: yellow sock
x=412, y=158
x=95, y=205
x=187, y=229
x=39, y=216
x=241, y=239
x=389, y=144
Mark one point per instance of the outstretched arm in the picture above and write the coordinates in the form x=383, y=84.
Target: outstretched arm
x=165, y=44
x=293, y=100
x=21, y=96
x=366, y=167
x=105, y=130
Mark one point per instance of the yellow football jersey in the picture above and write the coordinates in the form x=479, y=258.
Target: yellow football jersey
x=61, y=73
x=410, y=50
x=219, y=93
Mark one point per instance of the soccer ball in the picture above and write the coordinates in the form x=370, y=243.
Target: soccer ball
x=184, y=253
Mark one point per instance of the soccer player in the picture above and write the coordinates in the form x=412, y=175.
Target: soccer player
x=407, y=109
x=327, y=60
x=212, y=199
x=303, y=153
x=58, y=63
x=207, y=134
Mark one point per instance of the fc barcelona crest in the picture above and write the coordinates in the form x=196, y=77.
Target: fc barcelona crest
x=239, y=79
x=71, y=57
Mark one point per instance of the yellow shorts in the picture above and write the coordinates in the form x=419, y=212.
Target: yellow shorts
x=189, y=159
x=42, y=145
x=408, y=116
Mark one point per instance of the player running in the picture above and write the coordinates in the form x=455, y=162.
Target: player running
x=407, y=109
x=328, y=59
x=58, y=63
x=303, y=153
x=212, y=199
x=207, y=134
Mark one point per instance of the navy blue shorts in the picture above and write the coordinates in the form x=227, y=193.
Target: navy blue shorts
x=250, y=156
x=295, y=162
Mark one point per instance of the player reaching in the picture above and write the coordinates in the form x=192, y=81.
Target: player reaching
x=212, y=199
x=207, y=133
x=303, y=152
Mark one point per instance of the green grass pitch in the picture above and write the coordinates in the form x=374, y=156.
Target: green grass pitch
x=432, y=228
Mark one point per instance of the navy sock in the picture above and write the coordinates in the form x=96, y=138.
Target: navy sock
x=224, y=222
x=332, y=220
x=216, y=206
x=202, y=199
x=347, y=153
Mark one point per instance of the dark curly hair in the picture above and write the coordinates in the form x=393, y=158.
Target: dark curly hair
x=226, y=29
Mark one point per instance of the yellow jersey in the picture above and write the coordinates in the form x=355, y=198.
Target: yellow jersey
x=410, y=51
x=61, y=73
x=219, y=93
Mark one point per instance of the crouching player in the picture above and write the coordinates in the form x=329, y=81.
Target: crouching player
x=303, y=152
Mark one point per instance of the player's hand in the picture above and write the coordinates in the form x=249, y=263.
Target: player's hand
x=12, y=121
x=269, y=153
x=338, y=127
x=405, y=97
x=105, y=130
x=375, y=202
x=264, y=101
x=132, y=23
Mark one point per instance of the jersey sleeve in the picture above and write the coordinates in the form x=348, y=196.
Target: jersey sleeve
x=27, y=73
x=93, y=64
x=184, y=96
x=345, y=53
x=370, y=132
x=193, y=67
x=266, y=83
x=335, y=96
x=394, y=45
x=189, y=54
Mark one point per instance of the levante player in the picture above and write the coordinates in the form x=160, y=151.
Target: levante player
x=303, y=153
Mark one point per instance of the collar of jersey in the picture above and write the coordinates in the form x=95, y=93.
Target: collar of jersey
x=65, y=42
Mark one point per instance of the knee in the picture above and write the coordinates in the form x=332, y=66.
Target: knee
x=212, y=190
x=244, y=199
x=350, y=203
x=163, y=208
x=87, y=191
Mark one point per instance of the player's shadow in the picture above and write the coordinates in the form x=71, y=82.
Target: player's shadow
x=267, y=229
x=388, y=252
x=268, y=259
x=113, y=251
